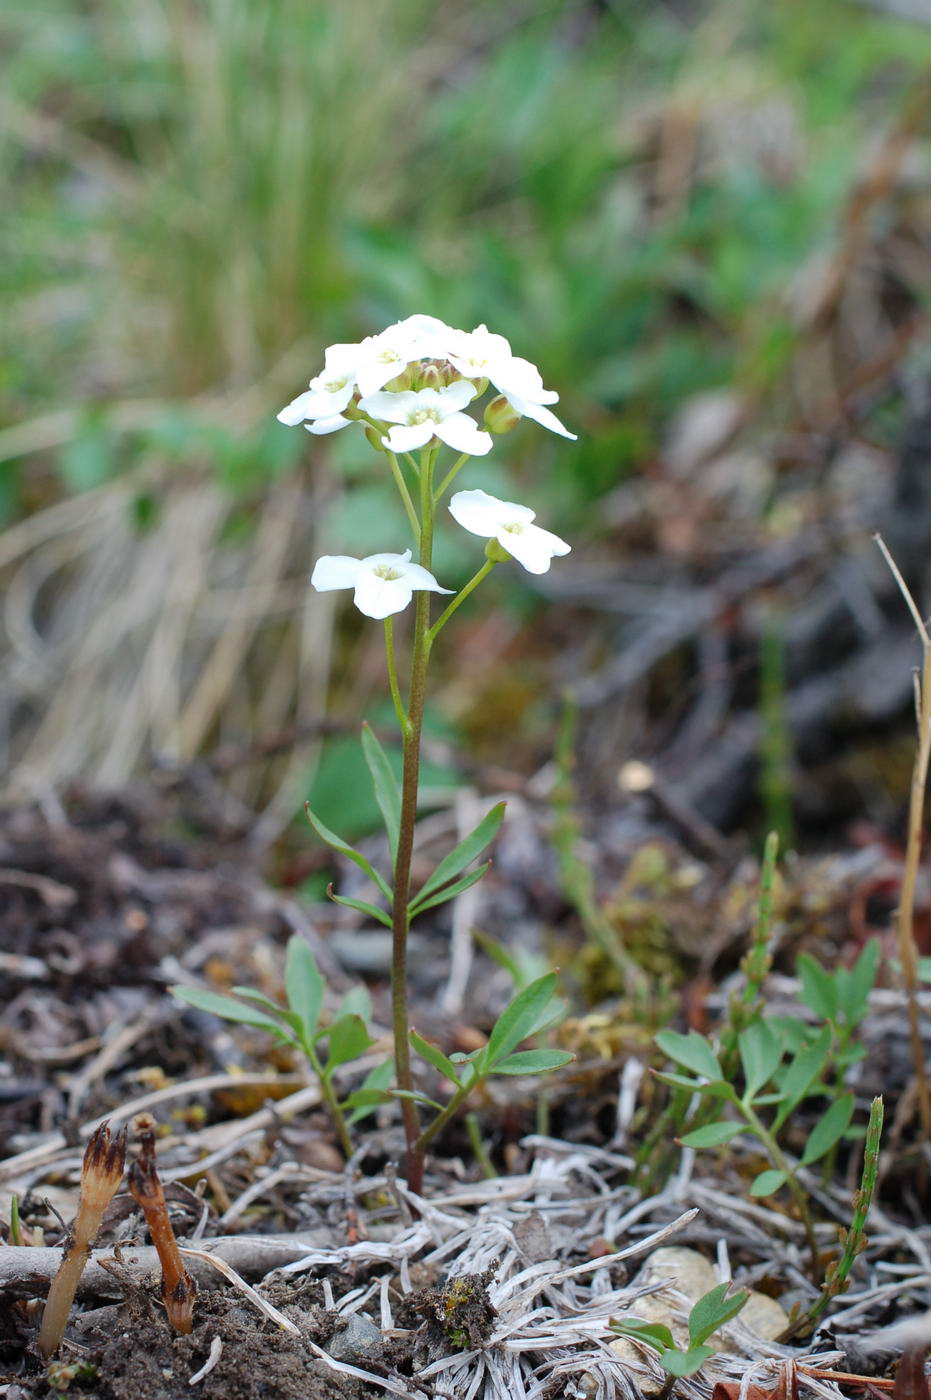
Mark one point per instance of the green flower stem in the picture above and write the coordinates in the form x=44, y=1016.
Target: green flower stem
x=781, y=1162
x=401, y=484
x=393, y=678
x=460, y=597
x=327, y=1093
x=449, y=478
x=402, y=867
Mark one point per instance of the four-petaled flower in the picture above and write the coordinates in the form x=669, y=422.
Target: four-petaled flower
x=480, y=354
x=383, y=583
x=509, y=524
x=429, y=413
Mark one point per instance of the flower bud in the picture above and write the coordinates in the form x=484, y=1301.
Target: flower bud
x=500, y=417
x=375, y=437
x=496, y=552
x=402, y=381
x=430, y=377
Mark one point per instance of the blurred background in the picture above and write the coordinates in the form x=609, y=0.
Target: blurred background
x=707, y=221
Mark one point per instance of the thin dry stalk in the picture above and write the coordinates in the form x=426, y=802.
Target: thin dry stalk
x=908, y=954
x=101, y=1173
x=178, y=1288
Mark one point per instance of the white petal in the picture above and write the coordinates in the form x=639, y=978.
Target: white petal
x=409, y=439
x=294, y=412
x=428, y=337
x=520, y=377
x=380, y=597
x=324, y=403
x=335, y=571
x=394, y=561
x=540, y=415
x=339, y=360
x=453, y=397
x=532, y=547
x=463, y=433
x=484, y=515
x=321, y=426
x=390, y=408
x=421, y=579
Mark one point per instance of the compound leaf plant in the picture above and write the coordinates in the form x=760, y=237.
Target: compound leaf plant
x=408, y=388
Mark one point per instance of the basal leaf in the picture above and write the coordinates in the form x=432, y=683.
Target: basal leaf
x=856, y=983
x=229, y=1009
x=371, y=1092
x=801, y=1074
x=767, y=1182
x=712, y=1311
x=520, y=1019
x=344, y=849
x=356, y=1002
x=653, y=1334
x=434, y=1056
x=463, y=854
x=760, y=1055
x=385, y=784
x=532, y=1062
x=712, y=1134
x=829, y=1130
x=691, y=1050
x=347, y=1039
x=373, y=911
x=302, y=982
x=685, y=1363
x=290, y=1018
x=819, y=988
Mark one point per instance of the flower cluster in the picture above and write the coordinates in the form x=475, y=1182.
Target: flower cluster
x=409, y=386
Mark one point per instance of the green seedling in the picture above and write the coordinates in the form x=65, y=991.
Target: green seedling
x=709, y=1314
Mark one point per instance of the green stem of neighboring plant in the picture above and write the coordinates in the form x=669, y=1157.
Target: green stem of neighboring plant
x=328, y=1094
x=400, y=914
x=441, y=1119
x=460, y=597
x=478, y=1147
x=393, y=678
x=782, y=1163
x=854, y=1240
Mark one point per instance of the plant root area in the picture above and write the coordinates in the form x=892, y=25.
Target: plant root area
x=319, y=1277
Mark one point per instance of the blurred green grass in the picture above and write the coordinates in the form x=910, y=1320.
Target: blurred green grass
x=197, y=187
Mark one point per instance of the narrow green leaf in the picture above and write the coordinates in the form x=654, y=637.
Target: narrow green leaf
x=829, y=1130
x=801, y=1074
x=387, y=790
x=767, y=1182
x=857, y=983
x=685, y=1363
x=344, y=849
x=303, y=983
x=420, y=904
x=532, y=1062
x=713, y=1134
x=347, y=1039
x=434, y=1056
x=228, y=1009
x=463, y=854
x=373, y=911
x=712, y=1311
x=417, y=1097
x=679, y=1081
x=290, y=1018
x=653, y=1334
x=819, y=989
x=691, y=1050
x=521, y=1018
x=760, y=1055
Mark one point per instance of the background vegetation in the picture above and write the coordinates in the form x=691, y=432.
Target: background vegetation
x=653, y=202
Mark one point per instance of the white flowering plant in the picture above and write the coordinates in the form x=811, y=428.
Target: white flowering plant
x=410, y=388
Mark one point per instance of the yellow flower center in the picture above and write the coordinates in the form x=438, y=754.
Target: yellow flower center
x=385, y=571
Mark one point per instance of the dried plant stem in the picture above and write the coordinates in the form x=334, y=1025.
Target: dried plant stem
x=178, y=1288
x=101, y=1173
x=906, y=913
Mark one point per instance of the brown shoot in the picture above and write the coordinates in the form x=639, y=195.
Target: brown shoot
x=101, y=1173
x=178, y=1288
x=908, y=955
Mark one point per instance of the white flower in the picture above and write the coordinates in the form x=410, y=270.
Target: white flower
x=480, y=354
x=429, y=413
x=509, y=524
x=383, y=583
x=329, y=392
